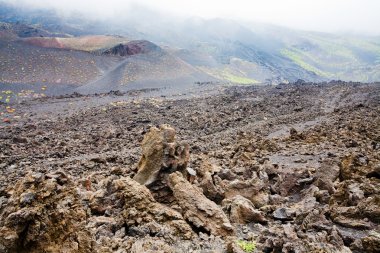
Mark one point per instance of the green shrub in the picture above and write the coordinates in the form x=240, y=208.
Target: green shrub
x=247, y=246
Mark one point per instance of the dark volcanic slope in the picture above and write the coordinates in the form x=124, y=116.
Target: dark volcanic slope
x=307, y=157
x=13, y=30
x=28, y=64
x=268, y=53
x=133, y=48
x=68, y=62
x=145, y=65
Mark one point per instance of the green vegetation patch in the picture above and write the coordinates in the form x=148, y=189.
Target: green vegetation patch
x=238, y=79
x=247, y=246
x=297, y=58
x=229, y=75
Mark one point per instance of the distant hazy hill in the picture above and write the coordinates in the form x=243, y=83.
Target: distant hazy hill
x=93, y=64
x=266, y=52
x=82, y=43
x=189, y=50
x=30, y=64
x=144, y=65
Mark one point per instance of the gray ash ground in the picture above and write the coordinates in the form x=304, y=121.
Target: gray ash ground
x=295, y=168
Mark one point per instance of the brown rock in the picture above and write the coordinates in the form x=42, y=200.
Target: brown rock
x=315, y=220
x=325, y=176
x=161, y=152
x=370, y=208
x=242, y=211
x=354, y=166
x=44, y=214
x=371, y=243
x=197, y=209
x=210, y=183
x=140, y=208
x=248, y=188
x=260, y=200
x=352, y=223
x=349, y=206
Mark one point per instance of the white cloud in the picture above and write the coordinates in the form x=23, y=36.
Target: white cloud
x=321, y=15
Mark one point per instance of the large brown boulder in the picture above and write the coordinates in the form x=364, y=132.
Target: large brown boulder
x=209, y=182
x=44, y=214
x=242, y=211
x=140, y=208
x=198, y=210
x=161, y=153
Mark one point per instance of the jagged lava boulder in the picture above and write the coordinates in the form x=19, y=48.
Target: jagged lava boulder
x=44, y=214
x=242, y=211
x=161, y=153
x=198, y=210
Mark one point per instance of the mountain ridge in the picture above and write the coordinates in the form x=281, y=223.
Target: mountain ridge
x=216, y=49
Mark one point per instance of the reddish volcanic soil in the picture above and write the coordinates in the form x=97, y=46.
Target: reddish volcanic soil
x=45, y=42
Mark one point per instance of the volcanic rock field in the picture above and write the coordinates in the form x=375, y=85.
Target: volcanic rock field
x=286, y=168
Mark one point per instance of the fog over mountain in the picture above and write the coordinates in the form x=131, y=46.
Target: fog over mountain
x=354, y=16
x=242, y=42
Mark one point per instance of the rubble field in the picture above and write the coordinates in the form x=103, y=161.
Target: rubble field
x=287, y=168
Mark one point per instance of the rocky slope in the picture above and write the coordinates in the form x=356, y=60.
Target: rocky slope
x=293, y=168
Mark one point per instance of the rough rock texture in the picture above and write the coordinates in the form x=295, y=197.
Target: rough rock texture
x=242, y=211
x=317, y=185
x=197, y=209
x=160, y=151
x=209, y=181
x=44, y=214
x=371, y=243
x=134, y=204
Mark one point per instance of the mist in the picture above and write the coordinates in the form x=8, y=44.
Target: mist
x=333, y=16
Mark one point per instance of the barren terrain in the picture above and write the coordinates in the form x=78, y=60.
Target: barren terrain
x=290, y=168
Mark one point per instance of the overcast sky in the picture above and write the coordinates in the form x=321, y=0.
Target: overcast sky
x=359, y=16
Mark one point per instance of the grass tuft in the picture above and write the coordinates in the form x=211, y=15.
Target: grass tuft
x=247, y=246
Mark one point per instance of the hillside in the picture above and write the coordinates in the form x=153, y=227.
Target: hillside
x=227, y=50
x=90, y=64
x=145, y=65
x=336, y=57
x=83, y=43
x=278, y=52
x=28, y=64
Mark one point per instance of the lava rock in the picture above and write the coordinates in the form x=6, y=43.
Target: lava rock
x=161, y=151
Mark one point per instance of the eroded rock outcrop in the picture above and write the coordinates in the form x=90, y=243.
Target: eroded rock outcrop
x=242, y=211
x=198, y=210
x=284, y=238
x=124, y=210
x=44, y=214
x=139, y=208
x=161, y=153
x=53, y=213
x=209, y=181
